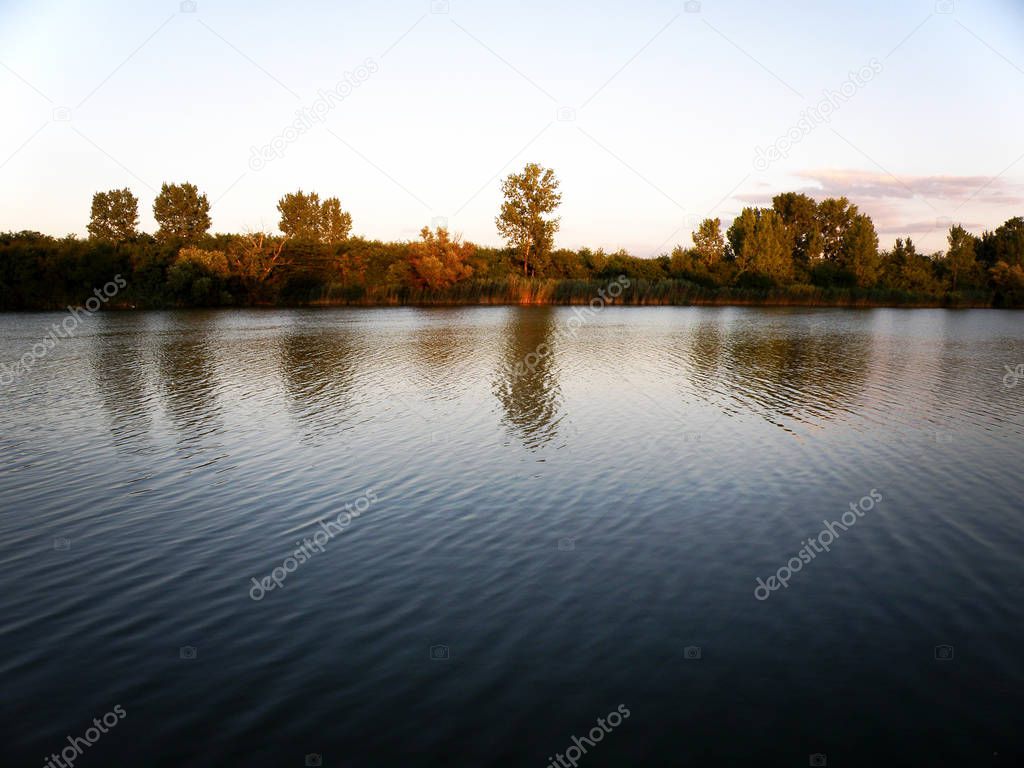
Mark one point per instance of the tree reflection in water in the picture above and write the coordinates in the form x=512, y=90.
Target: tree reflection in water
x=526, y=384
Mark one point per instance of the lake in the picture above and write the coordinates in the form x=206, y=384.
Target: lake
x=532, y=518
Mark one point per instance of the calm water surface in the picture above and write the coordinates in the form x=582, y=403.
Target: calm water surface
x=562, y=532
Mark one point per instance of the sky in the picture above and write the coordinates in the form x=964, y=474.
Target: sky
x=654, y=114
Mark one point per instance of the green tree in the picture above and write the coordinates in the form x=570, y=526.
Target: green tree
x=182, y=213
x=905, y=269
x=114, y=216
x=800, y=214
x=335, y=223
x=860, y=252
x=765, y=248
x=960, y=260
x=681, y=262
x=305, y=219
x=300, y=216
x=708, y=242
x=1005, y=244
x=529, y=197
x=1008, y=281
x=835, y=218
x=741, y=227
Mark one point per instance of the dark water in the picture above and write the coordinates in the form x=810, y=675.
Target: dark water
x=684, y=453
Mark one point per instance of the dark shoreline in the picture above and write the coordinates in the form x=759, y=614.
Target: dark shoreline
x=535, y=305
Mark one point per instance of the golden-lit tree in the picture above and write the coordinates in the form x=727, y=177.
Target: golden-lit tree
x=214, y=262
x=114, y=216
x=253, y=257
x=305, y=219
x=529, y=197
x=439, y=260
x=709, y=243
x=182, y=213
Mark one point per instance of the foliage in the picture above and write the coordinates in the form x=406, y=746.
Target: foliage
x=305, y=219
x=439, y=261
x=708, y=243
x=529, y=196
x=182, y=213
x=799, y=251
x=114, y=216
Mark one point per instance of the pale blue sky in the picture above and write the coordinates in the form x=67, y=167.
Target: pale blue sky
x=670, y=107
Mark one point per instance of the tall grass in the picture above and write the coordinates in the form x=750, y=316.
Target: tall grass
x=517, y=290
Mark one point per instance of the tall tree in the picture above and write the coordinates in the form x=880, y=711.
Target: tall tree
x=860, y=251
x=741, y=227
x=708, y=242
x=800, y=214
x=765, y=248
x=1005, y=244
x=114, y=216
x=300, y=216
x=335, y=223
x=960, y=260
x=907, y=270
x=182, y=213
x=835, y=217
x=529, y=197
x=306, y=219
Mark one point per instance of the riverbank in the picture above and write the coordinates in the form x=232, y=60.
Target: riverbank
x=640, y=292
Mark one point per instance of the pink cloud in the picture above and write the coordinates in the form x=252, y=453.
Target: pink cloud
x=860, y=185
x=923, y=206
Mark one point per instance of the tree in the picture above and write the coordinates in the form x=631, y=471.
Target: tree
x=907, y=270
x=114, y=216
x=708, y=242
x=529, y=196
x=960, y=260
x=1005, y=244
x=1008, y=281
x=182, y=213
x=253, y=257
x=681, y=262
x=835, y=217
x=335, y=223
x=741, y=227
x=860, y=251
x=300, y=216
x=197, y=277
x=765, y=248
x=800, y=214
x=439, y=261
x=305, y=219
x=214, y=262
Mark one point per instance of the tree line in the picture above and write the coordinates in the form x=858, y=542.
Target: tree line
x=799, y=250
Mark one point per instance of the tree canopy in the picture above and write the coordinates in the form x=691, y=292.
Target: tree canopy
x=182, y=213
x=114, y=216
x=304, y=218
x=530, y=197
x=799, y=250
